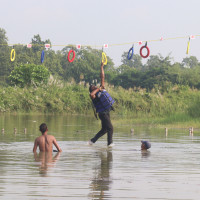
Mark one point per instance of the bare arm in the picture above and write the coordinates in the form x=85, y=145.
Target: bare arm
x=35, y=156
x=102, y=76
x=56, y=157
x=56, y=145
x=35, y=145
x=93, y=93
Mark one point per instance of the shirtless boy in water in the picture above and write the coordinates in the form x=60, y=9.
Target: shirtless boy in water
x=45, y=142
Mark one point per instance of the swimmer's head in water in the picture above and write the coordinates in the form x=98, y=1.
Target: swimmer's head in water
x=145, y=145
x=43, y=128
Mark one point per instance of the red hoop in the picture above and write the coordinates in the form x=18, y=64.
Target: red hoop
x=148, y=51
x=68, y=57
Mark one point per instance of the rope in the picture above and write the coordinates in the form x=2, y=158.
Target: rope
x=119, y=44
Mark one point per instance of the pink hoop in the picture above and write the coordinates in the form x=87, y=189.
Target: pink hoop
x=68, y=57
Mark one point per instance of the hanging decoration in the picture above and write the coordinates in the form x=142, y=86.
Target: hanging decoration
x=47, y=46
x=105, y=45
x=68, y=57
x=42, y=56
x=148, y=51
x=29, y=46
x=192, y=36
x=130, y=53
x=12, y=55
x=140, y=42
x=78, y=46
x=117, y=44
x=188, y=46
x=104, y=59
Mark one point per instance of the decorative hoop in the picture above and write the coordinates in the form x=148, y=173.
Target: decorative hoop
x=68, y=57
x=130, y=53
x=42, y=56
x=12, y=55
x=148, y=51
x=104, y=58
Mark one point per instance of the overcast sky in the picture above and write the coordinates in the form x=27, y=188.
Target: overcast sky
x=98, y=22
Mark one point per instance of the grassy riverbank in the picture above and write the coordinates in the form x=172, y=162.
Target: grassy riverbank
x=179, y=104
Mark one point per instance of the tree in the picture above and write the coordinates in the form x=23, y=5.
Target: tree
x=4, y=55
x=29, y=74
x=52, y=60
x=123, y=68
x=135, y=62
x=38, y=44
x=86, y=65
x=158, y=61
x=128, y=78
x=3, y=37
x=190, y=62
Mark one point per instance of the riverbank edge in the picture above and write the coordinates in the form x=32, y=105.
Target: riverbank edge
x=178, y=105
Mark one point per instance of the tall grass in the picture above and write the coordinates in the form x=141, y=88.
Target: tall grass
x=178, y=103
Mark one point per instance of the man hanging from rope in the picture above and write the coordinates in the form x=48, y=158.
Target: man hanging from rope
x=102, y=102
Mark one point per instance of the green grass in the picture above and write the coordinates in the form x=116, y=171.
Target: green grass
x=177, y=105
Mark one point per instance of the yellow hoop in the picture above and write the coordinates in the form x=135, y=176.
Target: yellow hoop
x=12, y=55
x=104, y=58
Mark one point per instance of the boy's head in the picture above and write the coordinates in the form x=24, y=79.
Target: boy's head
x=145, y=145
x=92, y=87
x=43, y=128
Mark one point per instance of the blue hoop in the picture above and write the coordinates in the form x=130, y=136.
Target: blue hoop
x=42, y=56
x=131, y=50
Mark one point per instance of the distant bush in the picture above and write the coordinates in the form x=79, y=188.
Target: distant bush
x=71, y=98
x=29, y=74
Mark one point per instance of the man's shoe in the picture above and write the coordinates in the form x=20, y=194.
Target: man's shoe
x=90, y=142
x=111, y=145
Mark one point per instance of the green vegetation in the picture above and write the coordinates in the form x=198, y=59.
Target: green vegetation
x=27, y=75
x=178, y=104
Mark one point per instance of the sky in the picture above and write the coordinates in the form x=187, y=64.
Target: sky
x=118, y=23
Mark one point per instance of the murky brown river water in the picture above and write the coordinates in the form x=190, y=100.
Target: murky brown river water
x=170, y=170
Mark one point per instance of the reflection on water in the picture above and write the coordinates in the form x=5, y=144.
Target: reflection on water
x=46, y=160
x=102, y=181
x=145, y=154
x=170, y=170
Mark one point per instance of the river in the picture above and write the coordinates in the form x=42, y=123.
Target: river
x=169, y=170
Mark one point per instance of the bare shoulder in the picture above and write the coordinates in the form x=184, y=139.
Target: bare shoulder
x=51, y=137
x=37, y=138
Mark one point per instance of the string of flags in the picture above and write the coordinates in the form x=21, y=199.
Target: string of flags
x=71, y=54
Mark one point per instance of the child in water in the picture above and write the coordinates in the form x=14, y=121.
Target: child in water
x=145, y=145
